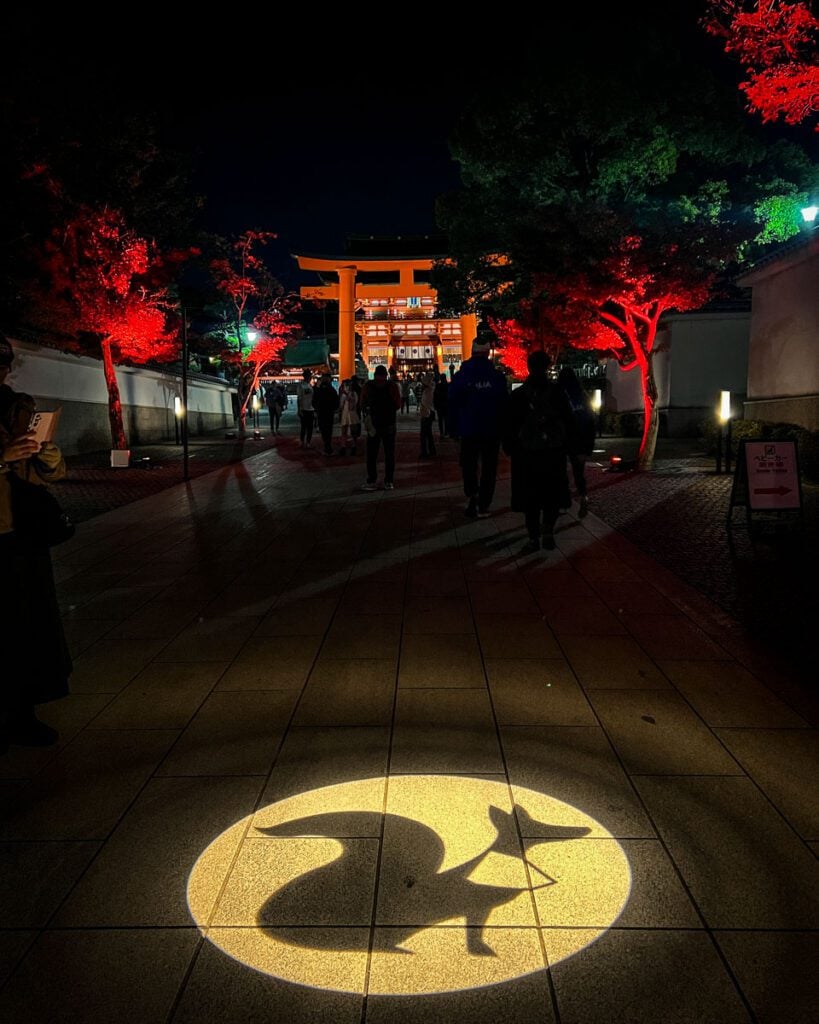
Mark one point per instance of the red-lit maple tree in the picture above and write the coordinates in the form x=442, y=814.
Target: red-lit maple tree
x=615, y=309
x=777, y=45
x=112, y=288
x=244, y=280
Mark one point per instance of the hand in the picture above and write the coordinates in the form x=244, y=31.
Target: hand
x=21, y=448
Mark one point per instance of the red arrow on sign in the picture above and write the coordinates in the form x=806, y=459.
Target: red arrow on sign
x=772, y=490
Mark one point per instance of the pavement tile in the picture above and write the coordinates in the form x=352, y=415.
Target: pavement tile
x=640, y=977
x=513, y=598
x=537, y=692
x=448, y=730
x=318, y=988
x=140, y=877
x=158, y=620
x=742, y=864
x=85, y=790
x=772, y=969
x=673, y=637
x=116, y=603
x=363, y=635
x=113, y=990
x=465, y=983
x=36, y=877
x=299, y=617
x=780, y=761
x=440, y=660
x=365, y=595
x=583, y=616
x=209, y=639
x=577, y=766
x=232, y=733
x=306, y=881
x=272, y=663
x=348, y=691
x=243, y=599
x=726, y=694
x=433, y=614
x=13, y=946
x=313, y=759
x=656, y=898
x=632, y=595
x=516, y=636
x=109, y=665
x=612, y=662
x=81, y=634
x=162, y=696
x=68, y=716
x=654, y=731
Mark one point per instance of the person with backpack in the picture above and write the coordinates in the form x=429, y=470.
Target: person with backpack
x=582, y=434
x=535, y=435
x=476, y=400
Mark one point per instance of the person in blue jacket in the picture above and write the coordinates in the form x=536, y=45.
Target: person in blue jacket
x=476, y=400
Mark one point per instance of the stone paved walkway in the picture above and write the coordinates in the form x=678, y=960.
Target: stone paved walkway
x=334, y=756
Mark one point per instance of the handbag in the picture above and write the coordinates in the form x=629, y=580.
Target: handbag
x=37, y=515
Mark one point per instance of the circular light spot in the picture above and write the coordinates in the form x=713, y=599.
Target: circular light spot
x=451, y=887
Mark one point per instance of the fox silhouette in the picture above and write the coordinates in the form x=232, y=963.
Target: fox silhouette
x=433, y=895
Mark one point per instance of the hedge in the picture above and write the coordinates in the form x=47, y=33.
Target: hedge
x=807, y=441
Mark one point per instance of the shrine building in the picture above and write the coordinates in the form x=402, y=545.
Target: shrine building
x=387, y=309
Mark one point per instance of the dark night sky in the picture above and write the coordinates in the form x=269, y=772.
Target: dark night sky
x=315, y=129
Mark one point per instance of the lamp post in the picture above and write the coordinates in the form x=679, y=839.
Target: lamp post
x=183, y=418
x=178, y=413
x=597, y=405
x=725, y=422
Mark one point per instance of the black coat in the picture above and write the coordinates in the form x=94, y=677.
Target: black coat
x=538, y=477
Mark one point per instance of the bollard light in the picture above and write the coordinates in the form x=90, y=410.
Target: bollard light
x=725, y=406
x=255, y=403
x=597, y=399
x=178, y=408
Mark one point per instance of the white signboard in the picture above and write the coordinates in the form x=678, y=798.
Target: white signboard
x=773, y=480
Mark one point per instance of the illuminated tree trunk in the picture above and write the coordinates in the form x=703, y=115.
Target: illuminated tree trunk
x=651, y=417
x=118, y=440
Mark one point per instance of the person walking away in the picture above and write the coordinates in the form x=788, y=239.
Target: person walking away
x=304, y=408
x=439, y=403
x=535, y=435
x=582, y=433
x=325, y=403
x=426, y=413
x=273, y=408
x=477, y=397
x=405, y=394
x=29, y=610
x=380, y=402
x=348, y=404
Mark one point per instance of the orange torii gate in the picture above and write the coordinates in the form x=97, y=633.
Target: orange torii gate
x=390, y=303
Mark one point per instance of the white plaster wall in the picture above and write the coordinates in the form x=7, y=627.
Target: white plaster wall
x=697, y=355
x=77, y=384
x=784, y=351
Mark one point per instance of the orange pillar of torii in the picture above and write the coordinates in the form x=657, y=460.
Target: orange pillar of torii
x=397, y=307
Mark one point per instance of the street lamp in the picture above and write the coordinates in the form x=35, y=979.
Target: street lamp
x=597, y=405
x=809, y=213
x=178, y=413
x=724, y=417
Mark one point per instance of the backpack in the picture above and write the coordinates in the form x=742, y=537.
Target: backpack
x=542, y=427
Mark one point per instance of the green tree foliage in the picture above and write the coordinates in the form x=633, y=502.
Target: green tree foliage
x=598, y=195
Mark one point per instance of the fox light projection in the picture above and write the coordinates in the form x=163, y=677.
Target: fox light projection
x=446, y=884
